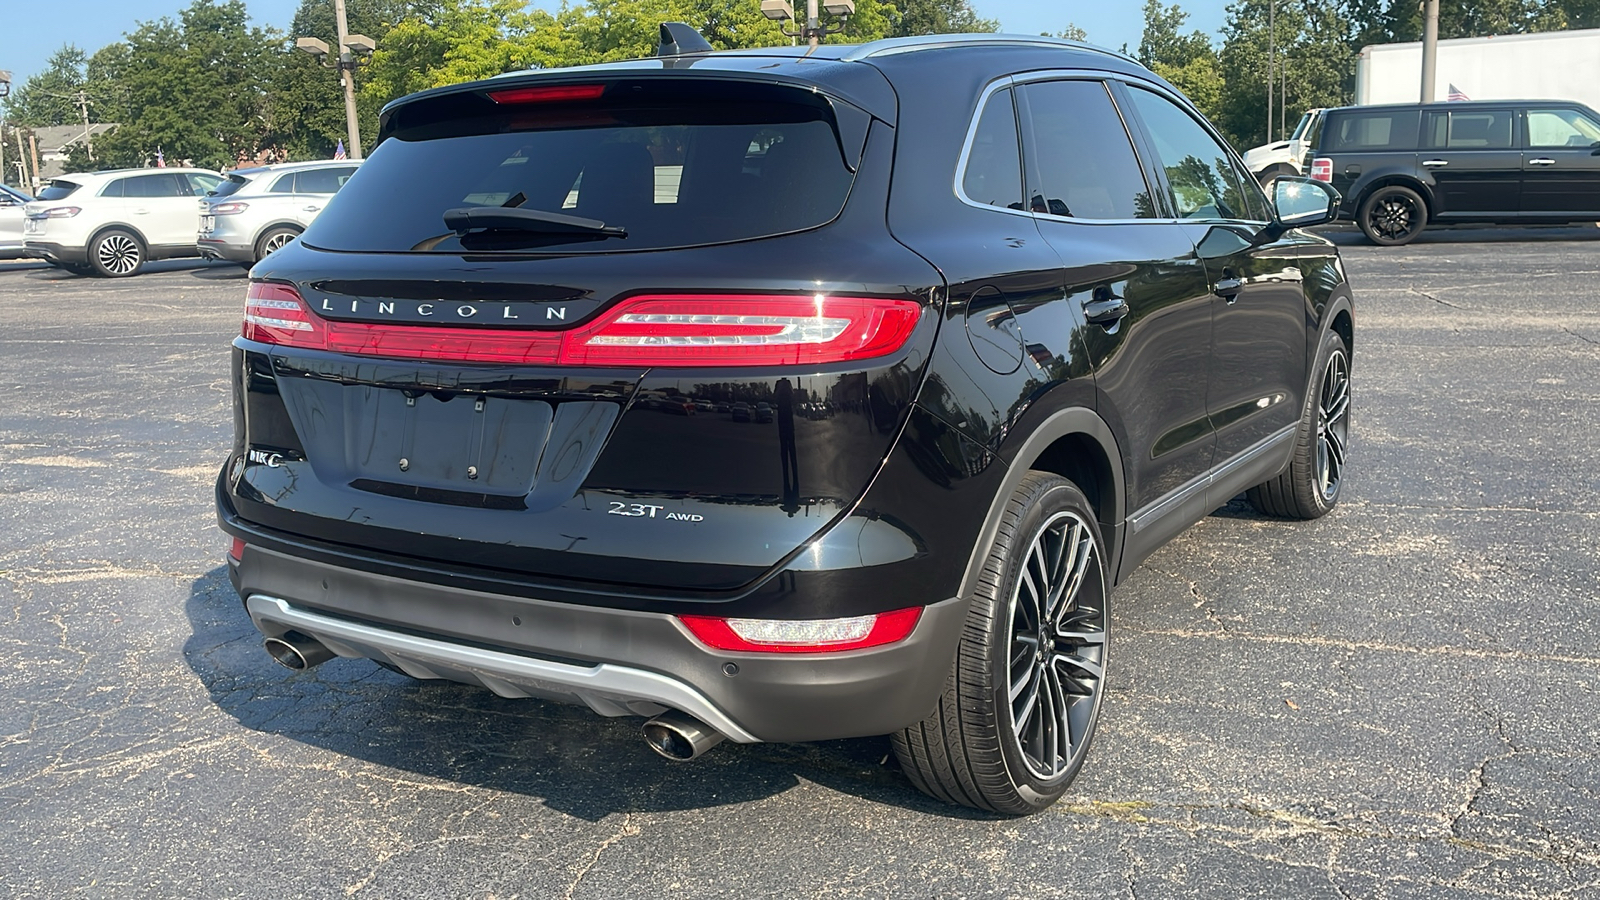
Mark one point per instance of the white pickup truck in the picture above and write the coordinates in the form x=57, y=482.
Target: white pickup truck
x=1269, y=161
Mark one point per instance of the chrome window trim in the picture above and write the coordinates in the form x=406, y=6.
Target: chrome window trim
x=1007, y=81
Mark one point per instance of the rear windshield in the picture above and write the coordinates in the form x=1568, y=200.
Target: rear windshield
x=673, y=167
x=58, y=190
x=234, y=182
x=1388, y=130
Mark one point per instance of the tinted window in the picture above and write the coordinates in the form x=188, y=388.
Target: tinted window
x=994, y=164
x=163, y=185
x=1561, y=128
x=200, y=184
x=1479, y=129
x=58, y=190
x=676, y=165
x=1205, y=185
x=1082, y=163
x=322, y=181
x=230, y=185
x=284, y=184
x=1389, y=130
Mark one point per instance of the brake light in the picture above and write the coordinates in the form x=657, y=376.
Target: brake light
x=803, y=635
x=1322, y=169
x=228, y=209
x=682, y=331
x=550, y=94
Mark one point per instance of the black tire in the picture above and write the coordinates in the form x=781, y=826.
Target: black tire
x=1393, y=215
x=1276, y=170
x=273, y=238
x=117, y=253
x=1310, y=487
x=968, y=751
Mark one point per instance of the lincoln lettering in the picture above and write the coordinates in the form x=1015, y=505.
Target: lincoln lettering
x=508, y=311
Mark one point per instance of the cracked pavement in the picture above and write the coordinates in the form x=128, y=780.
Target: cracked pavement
x=1399, y=700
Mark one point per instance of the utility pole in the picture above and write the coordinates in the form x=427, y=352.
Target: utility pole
x=1272, y=58
x=348, y=75
x=88, y=137
x=1430, y=48
x=33, y=146
x=5, y=91
x=813, y=30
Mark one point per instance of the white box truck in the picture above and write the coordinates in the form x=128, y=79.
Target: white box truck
x=1553, y=65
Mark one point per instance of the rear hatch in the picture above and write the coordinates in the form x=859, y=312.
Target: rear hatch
x=506, y=342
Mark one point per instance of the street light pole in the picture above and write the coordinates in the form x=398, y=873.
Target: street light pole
x=1272, y=58
x=347, y=74
x=1430, y=49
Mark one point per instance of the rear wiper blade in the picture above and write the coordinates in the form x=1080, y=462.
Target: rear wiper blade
x=471, y=218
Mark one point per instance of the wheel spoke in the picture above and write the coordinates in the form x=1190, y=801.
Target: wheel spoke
x=1068, y=572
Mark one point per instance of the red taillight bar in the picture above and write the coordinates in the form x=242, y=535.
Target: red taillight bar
x=548, y=94
x=677, y=331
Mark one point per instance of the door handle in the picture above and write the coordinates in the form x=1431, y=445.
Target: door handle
x=1542, y=161
x=1105, y=309
x=1228, y=288
x=310, y=208
x=141, y=211
x=1435, y=163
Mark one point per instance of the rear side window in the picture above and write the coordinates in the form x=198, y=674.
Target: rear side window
x=284, y=184
x=1354, y=131
x=322, y=181
x=994, y=163
x=1081, y=162
x=167, y=184
x=1478, y=129
x=58, y=190
x=686, y=163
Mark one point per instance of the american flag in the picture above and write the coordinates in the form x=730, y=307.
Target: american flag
x=338, y=152
x=161, y=159
x=1456, y=95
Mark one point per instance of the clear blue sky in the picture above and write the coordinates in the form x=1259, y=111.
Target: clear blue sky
x=31, y=31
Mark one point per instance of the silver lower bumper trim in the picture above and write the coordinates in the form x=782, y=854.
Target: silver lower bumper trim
x=609, y=690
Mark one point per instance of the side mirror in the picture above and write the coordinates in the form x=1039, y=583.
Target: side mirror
x=1302, y=202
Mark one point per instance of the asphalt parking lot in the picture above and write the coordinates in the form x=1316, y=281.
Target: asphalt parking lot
x=1399, y=700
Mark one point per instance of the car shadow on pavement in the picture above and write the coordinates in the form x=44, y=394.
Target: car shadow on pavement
x=1348, y=235
x=574, y=761
x=230, y=272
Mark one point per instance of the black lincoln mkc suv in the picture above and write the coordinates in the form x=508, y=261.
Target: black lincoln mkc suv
x=779, y=395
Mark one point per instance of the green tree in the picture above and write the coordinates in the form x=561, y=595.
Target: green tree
x=50, y=97
x=195, y=89
x=1188, y=61
x=939, y=17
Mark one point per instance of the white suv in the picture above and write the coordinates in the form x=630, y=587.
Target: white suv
x=113, y=222
x=256, y=211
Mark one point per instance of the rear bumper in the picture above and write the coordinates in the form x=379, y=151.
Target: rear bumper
x=240, y=253
x=615, y=661
x=56, y=252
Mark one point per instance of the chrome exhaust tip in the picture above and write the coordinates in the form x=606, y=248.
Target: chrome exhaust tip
x=294, y=650
x=680, y=736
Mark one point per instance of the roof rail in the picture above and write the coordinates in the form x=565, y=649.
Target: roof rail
x=894, y=46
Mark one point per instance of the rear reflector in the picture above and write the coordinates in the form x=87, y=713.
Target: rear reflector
x=550, y=94
x=678, y=331
x=236, y=552
x=803, y=635
x=1322, y=169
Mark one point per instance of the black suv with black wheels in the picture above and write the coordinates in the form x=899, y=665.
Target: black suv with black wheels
x=1517, y=162
x=1008, y=312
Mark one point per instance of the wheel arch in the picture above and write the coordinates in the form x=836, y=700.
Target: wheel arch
x=138, y=235
x=261, y=233
x=1075, y=443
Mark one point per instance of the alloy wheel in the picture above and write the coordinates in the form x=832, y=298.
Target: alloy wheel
x=1058, y=639
x=275, y=240
x=1393, y=216
x=118, y=254
x=1333, y=424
